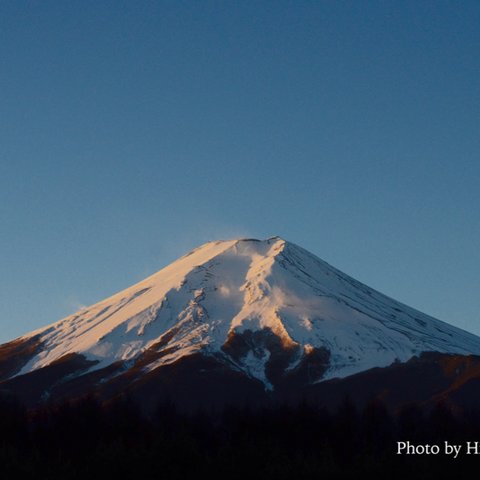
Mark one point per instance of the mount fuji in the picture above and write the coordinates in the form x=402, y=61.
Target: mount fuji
x=238, y=320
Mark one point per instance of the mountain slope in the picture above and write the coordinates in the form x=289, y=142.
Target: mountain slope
x=265, y=310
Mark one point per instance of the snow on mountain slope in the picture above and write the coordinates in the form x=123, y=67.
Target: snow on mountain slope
x=244, y=301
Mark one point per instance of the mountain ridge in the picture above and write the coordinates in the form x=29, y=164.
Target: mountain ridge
x=267, y=311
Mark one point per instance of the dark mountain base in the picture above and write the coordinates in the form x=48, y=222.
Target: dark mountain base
x=115, y=441
x=199, y=381
x=425, y=380
x=15, y=354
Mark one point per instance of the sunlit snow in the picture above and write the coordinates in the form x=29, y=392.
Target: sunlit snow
x=194, y=303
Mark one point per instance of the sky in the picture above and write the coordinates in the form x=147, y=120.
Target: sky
x=132, y=132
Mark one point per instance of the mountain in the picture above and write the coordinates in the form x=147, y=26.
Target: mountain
x=237, y=320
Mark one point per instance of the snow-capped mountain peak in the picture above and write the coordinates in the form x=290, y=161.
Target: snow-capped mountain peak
x=264, y=308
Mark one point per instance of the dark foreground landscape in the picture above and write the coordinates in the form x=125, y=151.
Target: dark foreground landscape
x=85, y=439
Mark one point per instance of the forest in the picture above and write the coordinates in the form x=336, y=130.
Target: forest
x=85, y=438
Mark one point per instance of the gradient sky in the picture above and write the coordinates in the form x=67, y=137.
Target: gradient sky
x=131, y=132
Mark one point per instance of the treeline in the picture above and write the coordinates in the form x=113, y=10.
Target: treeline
x=85, y=440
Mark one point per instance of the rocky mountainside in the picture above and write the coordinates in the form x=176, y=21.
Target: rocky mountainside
x=239, y=318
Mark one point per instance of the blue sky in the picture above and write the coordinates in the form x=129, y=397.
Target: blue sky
x=131, y=132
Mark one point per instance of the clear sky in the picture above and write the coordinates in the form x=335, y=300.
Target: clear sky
x=131, y=132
